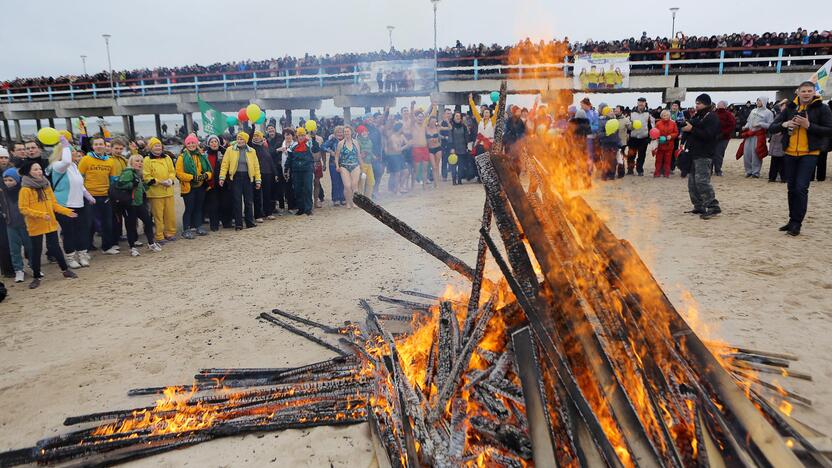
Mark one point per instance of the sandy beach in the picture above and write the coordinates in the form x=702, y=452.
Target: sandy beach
x=75, y=347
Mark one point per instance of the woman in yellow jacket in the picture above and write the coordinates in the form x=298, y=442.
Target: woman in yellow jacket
x=38, y=206
x=193, y=171
x=159, y=175
x=241, y=167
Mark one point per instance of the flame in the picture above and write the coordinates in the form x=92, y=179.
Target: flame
x=785, y=407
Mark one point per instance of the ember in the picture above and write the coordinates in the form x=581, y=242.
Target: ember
x=573, y=357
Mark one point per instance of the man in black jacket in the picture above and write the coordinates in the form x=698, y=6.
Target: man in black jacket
x=275, y=142
x=807, y=126
x=702, y=134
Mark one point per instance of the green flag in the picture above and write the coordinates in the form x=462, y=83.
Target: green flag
x=213, y=121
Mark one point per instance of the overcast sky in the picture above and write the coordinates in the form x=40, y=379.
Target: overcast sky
x=47, y=37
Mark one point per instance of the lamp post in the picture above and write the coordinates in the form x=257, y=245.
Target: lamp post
x=110, y=64
x=390, y=34
x=84, y=62
x=673, y=11
x=435, y=54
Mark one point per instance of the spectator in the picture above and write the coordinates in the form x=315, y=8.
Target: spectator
x=367, y=179
x=274, y=140
x=807, y=124
x=485, y=127
x=99, y=170
x=193, y=171
x=217, y=198
x=820, y=170
x=158, y=172
x=14, y=224
x=753, y=147
x=6, y=267
x=334, y=176
x=458, y=143
x=132, y=181
x=727, y=124
x=776, y=149
x=668, y=132
x=300, y=162
x=348, y=158
x=703, y=134
x=263, y=201
x=639, y=138
x=242, y=168
x=68, y=186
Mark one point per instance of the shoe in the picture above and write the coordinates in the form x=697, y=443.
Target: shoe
x=718, y=174
x=138, y=243
x=259, y=220
x=270, y=217
x=72, y=260
x=201, y=232
x=170, y=239
x=695, y=211
x=794, y=230
x=19, y=276
x=238, y=228
x=755, y=176
x=70, y=274
x=300, y=212
x=748, y=176
x=154, y=247
x=785, y=227
x=716, y=210
x=84, y=258
x=134, y=252
x=34, y=284
x=708, y=215
x=280, y=212
x=641, y=174
x=188, y=235
x=112, y=251
x=630, y=172
x=39, y=275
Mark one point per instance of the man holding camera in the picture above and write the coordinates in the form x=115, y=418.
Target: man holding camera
x=807, y=126
x=703, y=132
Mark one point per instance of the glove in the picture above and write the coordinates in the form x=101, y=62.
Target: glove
x=151, y=182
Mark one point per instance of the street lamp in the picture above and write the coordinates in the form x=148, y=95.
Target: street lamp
x=435, y=55
x=110, y=64
x=390, y=33
x=84, y=61
x=673, y=11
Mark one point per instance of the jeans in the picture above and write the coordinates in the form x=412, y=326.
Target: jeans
x=337, y=183
x=699, y=186
x=53, y=249
x=638, y=149
x=194, y=213
x=719, y=155
x=242, y=200
x=18, y=237
x=134, y=213
x=263, y=201
x=218, y=207
x=73, y=229
x=102, y=215
x=776, y=169
x=820, y=173
x=799, y=171
x=302, y=188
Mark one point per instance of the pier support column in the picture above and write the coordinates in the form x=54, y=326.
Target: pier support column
x=51, y=122
x=158, y=120
x=68, y=124
x=347, y=115
x=17, y=133
x=289, y=117
x=312, y=115
x=37, y=123
x=132, y=127
x=125, y=124
x=368, y=110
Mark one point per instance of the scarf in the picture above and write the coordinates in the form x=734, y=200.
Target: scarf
x=190, y=167
x=36, y=185
x=102, y=157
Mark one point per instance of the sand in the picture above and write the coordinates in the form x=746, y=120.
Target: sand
x=74, y=347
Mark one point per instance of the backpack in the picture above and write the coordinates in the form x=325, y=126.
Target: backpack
x=120, y=196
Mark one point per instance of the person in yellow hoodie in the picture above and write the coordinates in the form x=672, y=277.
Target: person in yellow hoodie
x=806, y=124
x=241, y=167
x=159, y=175
x=119, y=154
x=38, y=206
x=193, y=171
x=99, y=170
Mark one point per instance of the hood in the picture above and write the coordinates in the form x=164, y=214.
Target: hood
x=764, y=100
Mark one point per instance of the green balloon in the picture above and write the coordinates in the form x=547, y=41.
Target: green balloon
x=495, y=96
x=262, y=118
x=231, y=120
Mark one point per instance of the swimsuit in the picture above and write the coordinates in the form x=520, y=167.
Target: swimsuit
x=349, y=158
x=432, y=136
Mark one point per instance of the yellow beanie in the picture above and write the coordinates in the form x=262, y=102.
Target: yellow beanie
x=244, y=135
x=300, y=132
x=153, y=141
x=258, y=133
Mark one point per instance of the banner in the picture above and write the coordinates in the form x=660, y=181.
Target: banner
x=823, y=85
x=213, y=121
x=396, y=75
x=602, y=71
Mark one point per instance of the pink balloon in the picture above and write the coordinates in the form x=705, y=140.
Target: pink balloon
x=655, y=133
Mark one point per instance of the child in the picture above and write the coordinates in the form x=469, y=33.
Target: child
x=131, y=180
x=664, y=152
x=38, y=206
x=15, y=225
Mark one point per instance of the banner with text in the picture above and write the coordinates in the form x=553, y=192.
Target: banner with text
x=602, y=71
x=823, y=85
x=397, y=75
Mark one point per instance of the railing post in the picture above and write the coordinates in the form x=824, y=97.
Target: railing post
x=520, y=62
x=287, y=77
x=118, y=90
x=666, y=63
x=355, y=74
x=565, y=65
x=49, y=91
x=29, y=94
x=721, y=61
x=196, y=84
x=254, y=78
x=170, y=91
x=779, y=59
x=476, y=69
x=9, y=94
x=71, y=93
x=144, y=91
x=224, y=83
x=321, y=76
x=94, y=92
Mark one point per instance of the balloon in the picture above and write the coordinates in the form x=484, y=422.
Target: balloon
x=242, y=116
x=495, y=96
x=655, y=133
x=49, y=136
x=311, y=126
x=662, y=139
x=541, y=129
x=262, y=118
x=453, y=159
x=606, y=111
x=611, y=126
x=231, y=120
x=66, y=135
x=253, y=112
x=637, y=125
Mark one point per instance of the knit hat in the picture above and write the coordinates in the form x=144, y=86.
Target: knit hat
x=300, y=132
x=212, y=137
x=244, y=135
x=580, y=114
x=4, y=151
x=361, y=130
x=12, y=172
x=704, y=98
x=153, y=141
x=191, y=139
x=258, y=133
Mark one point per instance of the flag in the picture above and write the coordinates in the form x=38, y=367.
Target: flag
x=821, y=78
x=213, y=121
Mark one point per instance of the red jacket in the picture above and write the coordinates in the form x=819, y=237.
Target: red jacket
x=669, y=130
x=727, y=123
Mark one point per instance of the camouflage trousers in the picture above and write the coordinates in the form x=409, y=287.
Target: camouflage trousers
x=699, y=186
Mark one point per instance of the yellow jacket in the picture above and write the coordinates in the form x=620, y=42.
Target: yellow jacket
x=476, y=111
x=186, y=178
x=230, y=160
x=120, y=163
x=159, y=169
x=33, y=210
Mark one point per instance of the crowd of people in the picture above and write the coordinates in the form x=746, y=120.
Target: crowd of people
x=99, y=187
x=681, y=46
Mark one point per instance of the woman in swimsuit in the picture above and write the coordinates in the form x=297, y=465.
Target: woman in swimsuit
x=421, y=156
x=434, y=147
x=348, y=160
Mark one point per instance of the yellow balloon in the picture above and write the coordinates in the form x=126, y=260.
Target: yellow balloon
x=66, y=135
x=49, y=136
x=611, y=126
x=311, y=126
x=253, y=112
x=453, y=159
x=637, y=124
x=606, y=111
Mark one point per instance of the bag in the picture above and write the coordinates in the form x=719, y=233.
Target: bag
x=3, y=291
x=119, y=196
x=683, y=160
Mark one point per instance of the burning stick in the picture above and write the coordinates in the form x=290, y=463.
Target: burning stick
x=299, y=332
x=413, y=236
x=305, y=321
x=446, y=343
x=418, y=306
x=476, y=284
